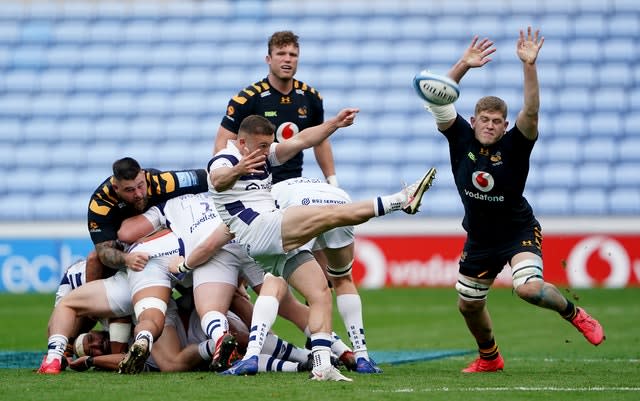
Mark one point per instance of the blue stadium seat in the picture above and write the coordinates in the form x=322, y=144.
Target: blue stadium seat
x=161, y=79
x=97, y=56
x=93, y=80
x=174, y=31
x=24, y=180
x=379, y=28
x=83, y=105
x=153, y=104
x=600, y=149
x=596, y=23
x=626, y=175
x=590, y=202
x=552, y=202
x=9, y=32
x=63, y=56
x=121, y=104
x=587, y=50
x=559, y=175
x=347, y=151
x=21, y=80
x=114, y=128
x=70, y=31
x=146, y=128
x=126, y=79
x=575, y=99
x=629, y=150
x=615, y=74
x=16, y=207
x=193, y=104
x=106, y=31
x=620, y=50
x=132, y=55
x=168, y=55
x=415, y=28
x=68, y=154
x=623, y=26
x=185, y=128
x=442, y=202
x=103, y=153
x=625, y=201
x=38, y=131
x=56, y=80
x=594, y=175
x=77, y=129
x=580, y=74
x=609, y=124
x=11, y=128
x=140, y=31
x=613, y=99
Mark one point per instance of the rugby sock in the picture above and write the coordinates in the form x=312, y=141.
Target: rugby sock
x=488, y=350
x=281, y=349
x=350, y=308
x=338, y=346
x=206, y=349
x=56, y=345
x=267, y=363
x=570, y=312
x=214, y=324
x=389, y=203
x=264, y=315
x=321, y=348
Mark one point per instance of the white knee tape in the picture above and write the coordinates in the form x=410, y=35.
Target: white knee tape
x=341, y=271
x=525, y=271
x=149, y=303
x=472, y=290
x=120, y=332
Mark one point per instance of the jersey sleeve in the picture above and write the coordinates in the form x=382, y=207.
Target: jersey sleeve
x=241, y=106
x=155, y=216
x=101, y=222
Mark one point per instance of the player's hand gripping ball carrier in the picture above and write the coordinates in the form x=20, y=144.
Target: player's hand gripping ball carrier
x=436, y=89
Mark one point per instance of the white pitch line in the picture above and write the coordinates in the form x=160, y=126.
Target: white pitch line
x=518, y=388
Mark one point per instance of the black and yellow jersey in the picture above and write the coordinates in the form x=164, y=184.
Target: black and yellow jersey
x=290, y=113
x=107, y=211
x=491, y=181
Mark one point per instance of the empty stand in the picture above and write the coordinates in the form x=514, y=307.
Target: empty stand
x=85, y=83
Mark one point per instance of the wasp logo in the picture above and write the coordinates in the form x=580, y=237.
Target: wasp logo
x=496, y=158
x=285, y=100
x=302, y=111
x=482, y=181
x=484, y=152
x=230, y=110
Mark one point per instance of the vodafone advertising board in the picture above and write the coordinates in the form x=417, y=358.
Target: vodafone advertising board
x=577, y=253
x=577, y=261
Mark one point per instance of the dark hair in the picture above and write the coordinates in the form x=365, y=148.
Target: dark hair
x=491, y=103
x=126, y=169
x=256, y=125
x=282, y=38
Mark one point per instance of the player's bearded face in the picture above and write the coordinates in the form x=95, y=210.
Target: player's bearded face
x=134, y=192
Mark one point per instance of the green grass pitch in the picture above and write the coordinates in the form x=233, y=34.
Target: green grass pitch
x=546, y=358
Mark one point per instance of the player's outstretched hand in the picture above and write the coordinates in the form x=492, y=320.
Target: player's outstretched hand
x=346, y=117
x=528, y=47
x=478, y=52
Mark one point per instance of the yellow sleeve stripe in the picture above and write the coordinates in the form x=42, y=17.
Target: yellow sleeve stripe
x=97, y=209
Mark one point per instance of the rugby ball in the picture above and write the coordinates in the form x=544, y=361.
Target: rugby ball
x=436, y=89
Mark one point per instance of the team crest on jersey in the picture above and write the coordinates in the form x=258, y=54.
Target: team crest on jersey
x=482, y=181
x=286, y=131
x=302, y=112
x=496, y=159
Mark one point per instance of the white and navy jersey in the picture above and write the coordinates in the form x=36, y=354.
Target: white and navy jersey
x=250, y=194
x=192, y=218
x=74, y=277
x=303, y=191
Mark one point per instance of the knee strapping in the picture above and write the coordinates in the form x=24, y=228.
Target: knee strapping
x=149, y=303
x=472, y=290
x=525, y=271
x=340, y=271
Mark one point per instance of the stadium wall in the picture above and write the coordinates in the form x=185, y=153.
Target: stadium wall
x=579, y=253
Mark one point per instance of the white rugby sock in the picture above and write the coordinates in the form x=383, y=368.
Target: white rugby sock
x=321, y=348
x=350, y=309
x=281, y=349
x=264, y=315
x=214, y=324
x=389, y=203
x=267, y=363
x=56, y=345
x=206, y=349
